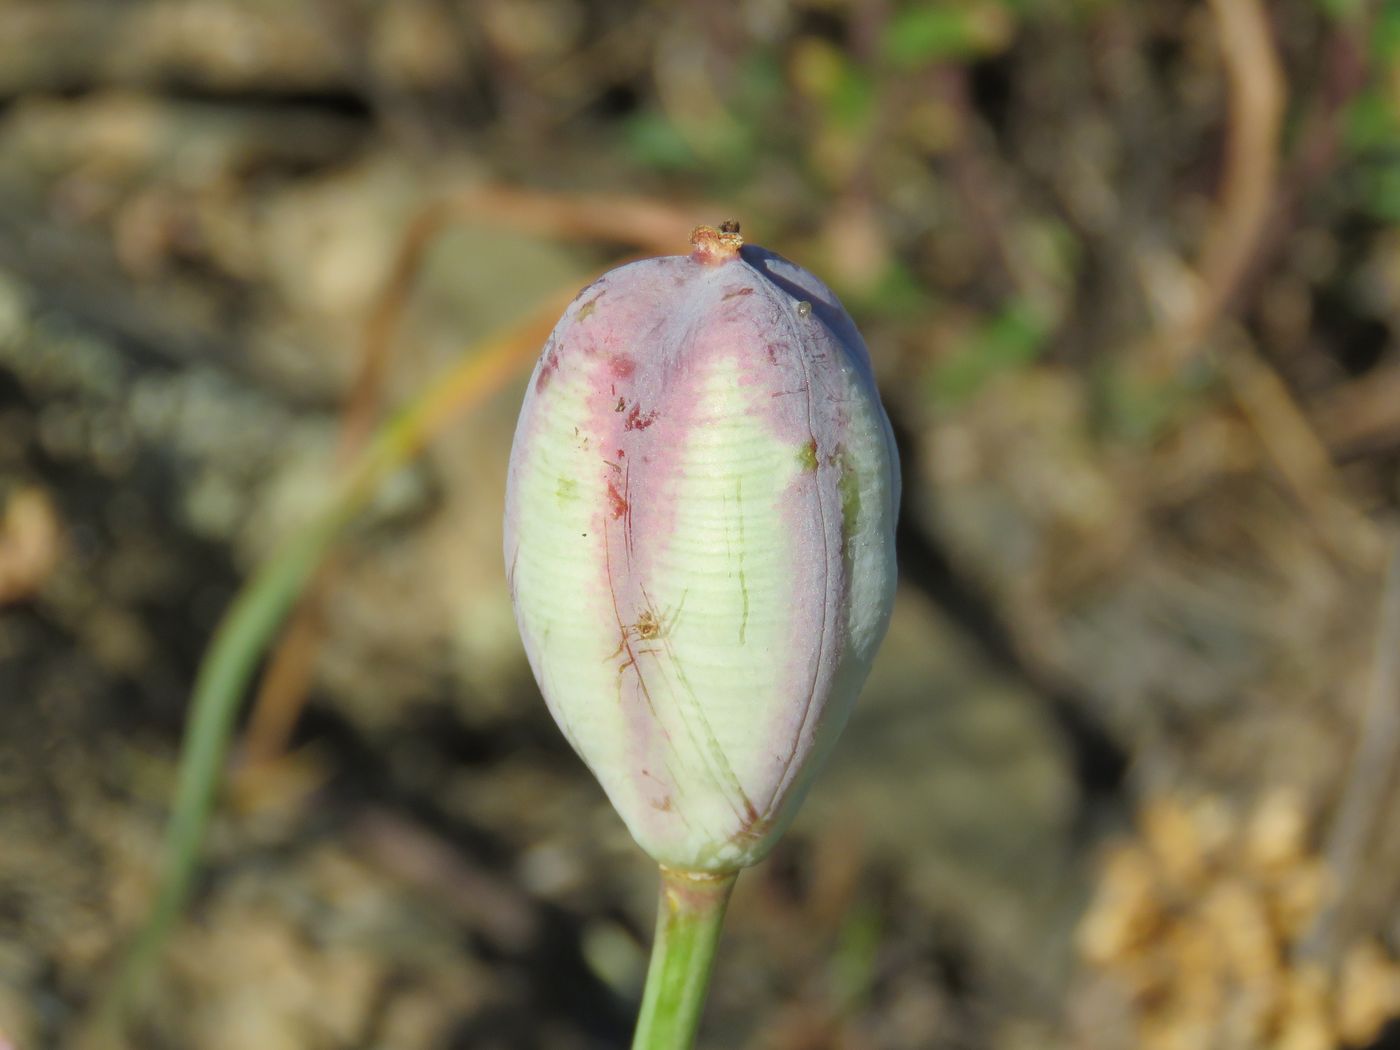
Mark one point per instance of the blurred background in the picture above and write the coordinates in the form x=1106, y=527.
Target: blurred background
x=1130, y=275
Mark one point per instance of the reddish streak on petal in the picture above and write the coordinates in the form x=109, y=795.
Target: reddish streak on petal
x=637, y=421
x=619, y=505
x=547, y=370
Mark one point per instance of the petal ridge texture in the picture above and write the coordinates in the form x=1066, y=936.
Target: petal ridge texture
x=699, y=538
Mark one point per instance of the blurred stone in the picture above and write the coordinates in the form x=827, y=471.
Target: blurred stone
x=416, y=44
x=958, y=774
x=51, y=44
x=1152, y=610
x=17, y=1025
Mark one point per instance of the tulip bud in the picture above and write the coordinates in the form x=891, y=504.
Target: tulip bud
x=699, y=537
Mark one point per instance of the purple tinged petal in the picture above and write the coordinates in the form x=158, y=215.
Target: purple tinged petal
x=699, y=530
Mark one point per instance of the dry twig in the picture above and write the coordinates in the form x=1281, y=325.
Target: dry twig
x=1243, y=213
x=1372, y=771
x=1257, y=93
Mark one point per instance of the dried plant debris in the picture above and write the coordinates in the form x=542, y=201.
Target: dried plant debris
x=29, y=543
x=1195, y=936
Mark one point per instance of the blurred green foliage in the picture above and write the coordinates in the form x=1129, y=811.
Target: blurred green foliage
x=1014, y=336
x=926, y=33
x=1372, y=124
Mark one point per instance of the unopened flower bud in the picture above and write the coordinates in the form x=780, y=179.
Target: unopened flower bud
x=699, y=537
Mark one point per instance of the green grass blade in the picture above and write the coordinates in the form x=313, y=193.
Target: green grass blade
x=238, y=645
x=255, y=617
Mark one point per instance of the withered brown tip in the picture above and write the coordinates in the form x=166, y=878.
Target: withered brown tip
x=716, y=245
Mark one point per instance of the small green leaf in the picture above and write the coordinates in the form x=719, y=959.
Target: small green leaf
x=654, y=141
x=1381, y=191
x=1012, y=338
x=1133, y=408
x=1385, y=34
x=852, y=97
x=1341, y=10
x=1371, y=122
x=932, y=32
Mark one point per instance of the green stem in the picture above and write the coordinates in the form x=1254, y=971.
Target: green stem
x=688, y=920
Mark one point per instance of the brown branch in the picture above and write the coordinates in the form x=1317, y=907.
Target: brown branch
x=610, y=218
x=1247, y=191
x=1362, y=414
x=1298, y=455
x=1245, y=212
x=282, y=691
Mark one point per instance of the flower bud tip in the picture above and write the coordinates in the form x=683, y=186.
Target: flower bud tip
x=713, y=245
